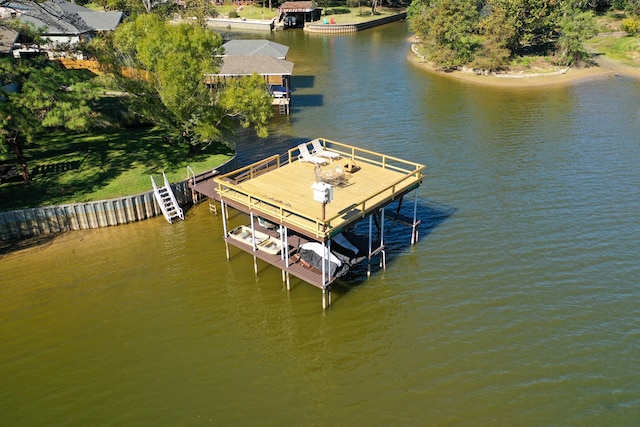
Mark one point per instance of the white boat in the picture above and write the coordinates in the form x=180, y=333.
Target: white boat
x=264, y=242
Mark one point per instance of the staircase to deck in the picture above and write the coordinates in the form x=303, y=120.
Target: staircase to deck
x=167, y=200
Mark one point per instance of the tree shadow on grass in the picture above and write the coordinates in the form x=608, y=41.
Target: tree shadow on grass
x=71, y=167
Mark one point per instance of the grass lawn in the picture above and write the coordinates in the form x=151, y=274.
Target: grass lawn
x=69, y=168
x=614, y=43
x=624, y=49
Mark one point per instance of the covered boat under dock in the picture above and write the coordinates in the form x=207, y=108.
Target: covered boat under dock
x=309, y=201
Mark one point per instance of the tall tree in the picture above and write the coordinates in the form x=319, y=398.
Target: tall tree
x=45, y=95
x=448, y=29
x=576, y=26
x=162, y=68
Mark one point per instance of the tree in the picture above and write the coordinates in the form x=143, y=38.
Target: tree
x=576, y=26
x=162, y=68
x=243, y=99
x=47, y=95
x=487, y=34
x=448, y=30
x=500, y=24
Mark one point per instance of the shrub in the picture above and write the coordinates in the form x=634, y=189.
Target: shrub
x=630, y=25
x=233, y=14
x=619, y=4
x=337, y=11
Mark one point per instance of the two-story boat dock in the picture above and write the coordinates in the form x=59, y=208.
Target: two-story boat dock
x=295, y=205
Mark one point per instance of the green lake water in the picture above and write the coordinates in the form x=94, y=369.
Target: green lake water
x=519, y=306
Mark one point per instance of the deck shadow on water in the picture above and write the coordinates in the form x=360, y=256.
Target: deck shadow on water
x=397, y=237
x=310, y=100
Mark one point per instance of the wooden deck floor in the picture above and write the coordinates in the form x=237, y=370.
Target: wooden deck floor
x=284, y=194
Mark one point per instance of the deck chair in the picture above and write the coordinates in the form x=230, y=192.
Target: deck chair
x=318, y=150
x=306, y=156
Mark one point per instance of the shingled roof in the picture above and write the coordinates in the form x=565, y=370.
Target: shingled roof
x=297, y=6
x=61, y=18
x=7, y=38
x=255, y=48
x=247, y=65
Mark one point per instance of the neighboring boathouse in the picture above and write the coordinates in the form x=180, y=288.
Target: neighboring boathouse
x=262, y=57
x=302, y=208
x=295, y=14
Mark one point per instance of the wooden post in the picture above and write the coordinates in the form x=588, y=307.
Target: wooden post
x=224, y=228
x=383, y=257
x=253, y=243
x=369, y=254
x=414, y=231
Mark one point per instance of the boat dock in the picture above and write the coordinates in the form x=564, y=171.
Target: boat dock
x=294, y=201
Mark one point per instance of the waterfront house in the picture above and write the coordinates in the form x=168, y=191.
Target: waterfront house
x=64, y=24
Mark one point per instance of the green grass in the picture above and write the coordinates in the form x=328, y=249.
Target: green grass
x=69, y=168
x=622, y=49
x=248, y=12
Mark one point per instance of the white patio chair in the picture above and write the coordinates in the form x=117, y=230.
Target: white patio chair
x=306, y=156
x=319, y=150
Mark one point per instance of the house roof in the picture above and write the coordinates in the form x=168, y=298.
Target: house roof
x=7, y=38
x=298, y=6
x=59, y=17
x=255, y=47
x=247, y=65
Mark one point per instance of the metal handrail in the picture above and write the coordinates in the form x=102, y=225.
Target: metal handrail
x=172, y=196
x=191, y=174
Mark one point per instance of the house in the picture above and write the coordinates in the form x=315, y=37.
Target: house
x=295, y=14
x=63, y=23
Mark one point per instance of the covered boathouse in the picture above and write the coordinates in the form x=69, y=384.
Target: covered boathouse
x=305, y=203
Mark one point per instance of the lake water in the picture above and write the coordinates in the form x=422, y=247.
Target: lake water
x=519, y=306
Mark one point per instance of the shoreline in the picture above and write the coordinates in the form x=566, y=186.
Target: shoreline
x=605, y=68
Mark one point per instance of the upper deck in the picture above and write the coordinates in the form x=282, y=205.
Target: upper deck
x=279, y=189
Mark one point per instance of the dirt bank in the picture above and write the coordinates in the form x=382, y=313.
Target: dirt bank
x=606, y=68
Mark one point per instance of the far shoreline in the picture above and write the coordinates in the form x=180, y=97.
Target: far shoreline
x=607, y=68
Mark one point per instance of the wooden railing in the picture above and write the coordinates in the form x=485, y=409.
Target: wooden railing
x=317, y=227
x=363, y=155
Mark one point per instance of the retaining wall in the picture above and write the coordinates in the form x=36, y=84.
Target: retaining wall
x=352, y=28
x=23, y=223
